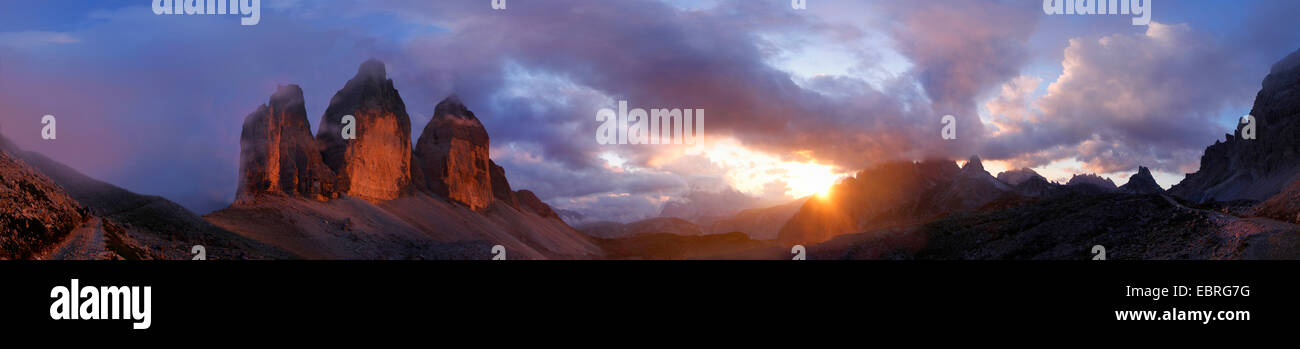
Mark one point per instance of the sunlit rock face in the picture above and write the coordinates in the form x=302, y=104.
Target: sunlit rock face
x=453, y=155
x=278, y=155
x=375, y=166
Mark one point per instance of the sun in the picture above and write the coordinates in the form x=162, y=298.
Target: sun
x=825, y=193
x=810, y=179
x=751, y=171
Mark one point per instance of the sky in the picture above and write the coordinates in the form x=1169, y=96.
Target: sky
x=794, y=99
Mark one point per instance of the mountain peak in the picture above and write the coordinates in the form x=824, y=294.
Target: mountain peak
x=973, y=164
x=287, y=94
x=1014, y=177
x=452, y=106
x=453, y=155
x=373, y=69
x=376, y=164
x=1258, y=168
x=278, y=155
x=1291, y=62
x=1092, y=179
x=1142, y=183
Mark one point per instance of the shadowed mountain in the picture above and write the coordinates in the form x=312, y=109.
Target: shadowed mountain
x=35, y=213
x=665, y=246
x=1136, y=221
x=668, y=225
x=1241, y=168
x=1067, y=227
x=894, y=194
x=1037, y=186
x=1092, y=183
x=1141, y=183
x=138, y=226
x=704, y=207
x=1015, y=177
x=759, y=223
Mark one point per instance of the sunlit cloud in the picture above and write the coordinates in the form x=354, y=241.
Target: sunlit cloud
x=751, y=171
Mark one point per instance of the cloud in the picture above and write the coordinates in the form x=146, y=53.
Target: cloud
x=848, y=84
x=34, y=38
x=1124, y=100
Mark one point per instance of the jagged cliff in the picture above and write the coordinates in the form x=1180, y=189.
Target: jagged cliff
x=453, y=155
x=374, y=197
x=376, y=165
x=1255, y=169
x=278, y=155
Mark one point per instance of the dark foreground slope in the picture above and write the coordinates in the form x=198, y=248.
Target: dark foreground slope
x=120, y=224
x=35, y=213
x=1127, y=226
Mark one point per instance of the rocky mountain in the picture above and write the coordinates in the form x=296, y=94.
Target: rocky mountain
x=902, y=196
x=501, y=186
x=704, y=207
x=453, y=156
x=531, y=203
x=1037, y=186
x=1015, y=177
x=35, y=212
x=1284, y=206
x=376, y=165
x=759, y=223
x=971, y=188
x=1064, y=222
x=573, y=218
x=114, y=222
x=1141, y=183
x=1239, y=168
x=444, y=199
x=890, y=194
x=668, y=225
x=278, y=155
x=666, y=246
x=1067, y=227
x=1100, y=183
